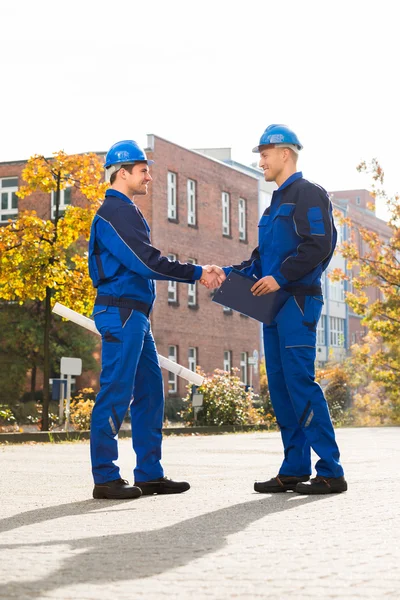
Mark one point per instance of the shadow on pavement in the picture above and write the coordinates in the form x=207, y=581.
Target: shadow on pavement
x=106, y=559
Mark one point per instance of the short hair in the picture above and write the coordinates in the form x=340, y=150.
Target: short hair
x=126, y=167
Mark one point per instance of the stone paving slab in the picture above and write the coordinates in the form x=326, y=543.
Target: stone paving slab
x=220, y=540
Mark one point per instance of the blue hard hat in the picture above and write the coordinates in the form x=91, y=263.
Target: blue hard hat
x=279, y=135
x=126, y=152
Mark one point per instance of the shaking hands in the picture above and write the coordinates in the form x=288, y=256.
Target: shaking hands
x=212, y=276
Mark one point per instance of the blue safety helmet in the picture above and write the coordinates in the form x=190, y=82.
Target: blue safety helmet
x=279, y=135
x=126, y=152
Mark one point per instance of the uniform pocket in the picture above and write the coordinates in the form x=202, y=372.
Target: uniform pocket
x=316, y=221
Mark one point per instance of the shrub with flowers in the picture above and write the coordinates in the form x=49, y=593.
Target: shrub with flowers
x=81, y=409
x=225, y=402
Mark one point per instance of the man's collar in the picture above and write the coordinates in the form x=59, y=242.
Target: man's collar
x=289, y=180
x=112, y=192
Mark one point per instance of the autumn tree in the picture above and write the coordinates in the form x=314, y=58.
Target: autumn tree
x=378, y=267
x=42, y=260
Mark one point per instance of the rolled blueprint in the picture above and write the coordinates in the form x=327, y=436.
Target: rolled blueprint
x=75, y=317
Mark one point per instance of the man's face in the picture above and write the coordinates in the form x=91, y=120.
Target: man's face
x=271, y=162
x=138, y=181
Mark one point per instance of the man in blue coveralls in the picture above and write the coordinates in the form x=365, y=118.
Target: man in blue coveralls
x=122, y=266
x=297, y=238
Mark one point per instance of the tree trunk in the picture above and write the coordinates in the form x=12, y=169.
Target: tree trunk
x=33, y=382
x=46, y=361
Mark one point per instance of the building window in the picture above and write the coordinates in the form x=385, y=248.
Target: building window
x=358, y=200
x=172, y=285
x=227, y=360
x=192, y=359
x=65, y=200
x=340, y=233
x=321, y=339
x=336, y=331
x=242, y=219
x=226, y=226
x=9, y=198
x=243, y=367
x=192, y=290
x=172, y=377
x=172, y=212
x=336, y=290
x=191, y=201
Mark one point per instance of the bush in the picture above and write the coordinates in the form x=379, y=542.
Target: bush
x=81, y=409
x=225, y=402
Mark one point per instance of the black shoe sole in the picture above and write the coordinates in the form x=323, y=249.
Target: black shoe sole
x=280, y=490
x=314, y=492
x=98, y=495
x=150, y=490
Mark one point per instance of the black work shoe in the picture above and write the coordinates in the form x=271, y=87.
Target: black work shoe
x=118, y=489
x=323, y=485
x=279, y=484
x=163, y=485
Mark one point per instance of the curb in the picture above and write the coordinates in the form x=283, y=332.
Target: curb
x=69, y=436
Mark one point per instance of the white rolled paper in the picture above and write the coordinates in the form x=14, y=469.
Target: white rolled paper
x=75, y=317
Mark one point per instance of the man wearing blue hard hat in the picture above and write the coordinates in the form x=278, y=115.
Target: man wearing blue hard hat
x=123, y=265
x=297, y=238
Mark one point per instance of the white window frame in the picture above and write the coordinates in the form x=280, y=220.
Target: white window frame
x=172, y=207
x=244, y=370
x=336, y=290
x=172, y=286
x=227, y=360
x=336, y=331
x=321, y=331
x=172, y=377
x=242, y=219
x=192, y=289
x=226, y=225
x=9, y=194
x=192, y=358
x=191, y=201
x=63, y=205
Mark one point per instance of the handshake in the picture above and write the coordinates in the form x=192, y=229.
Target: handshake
x=212, y=276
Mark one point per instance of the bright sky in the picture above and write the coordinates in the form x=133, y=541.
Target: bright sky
x=80, y=76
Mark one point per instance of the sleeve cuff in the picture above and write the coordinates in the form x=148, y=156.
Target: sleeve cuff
x=227, y=270
x=279, y=278
x=198, y=271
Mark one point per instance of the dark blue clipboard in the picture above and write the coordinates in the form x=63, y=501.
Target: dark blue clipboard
x=235, y=294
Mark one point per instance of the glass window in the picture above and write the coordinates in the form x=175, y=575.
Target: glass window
x=172, y=285
x=227, y=360
x=172, y=377
x=192, y=290
x=9, y=198
x=191, y=201
x=336, y=331
x=192, y=359
x=226, y=227
x=243, y=367
x=242, y=219
x=65, y=200
x=321, y=339
x=172, y=212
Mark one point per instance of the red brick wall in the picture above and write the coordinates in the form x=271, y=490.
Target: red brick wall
x=207, y=328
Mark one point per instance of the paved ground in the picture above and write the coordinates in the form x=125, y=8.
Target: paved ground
x=220, y=540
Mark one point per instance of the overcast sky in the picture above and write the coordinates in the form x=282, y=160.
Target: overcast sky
x=80, y=76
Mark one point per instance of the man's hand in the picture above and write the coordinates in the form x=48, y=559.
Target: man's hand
x=266, y=285
x=212, y=276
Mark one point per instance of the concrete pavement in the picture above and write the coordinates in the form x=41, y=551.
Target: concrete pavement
x=219, y=540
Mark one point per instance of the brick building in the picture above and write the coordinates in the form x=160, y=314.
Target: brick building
x=201, y=210
x=359, y=206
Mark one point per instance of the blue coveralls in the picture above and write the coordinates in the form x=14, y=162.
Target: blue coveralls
x=297, y=238
x=122, y=266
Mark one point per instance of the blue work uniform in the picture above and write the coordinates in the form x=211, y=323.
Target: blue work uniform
x=123, y=265
x=297, y=238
